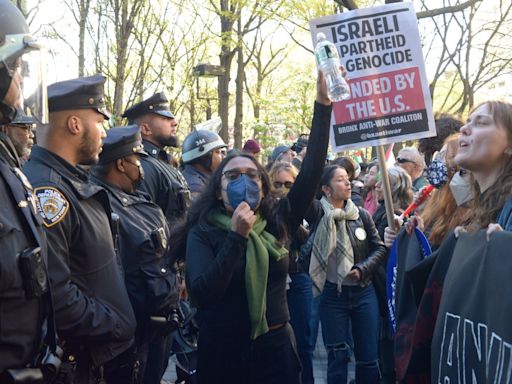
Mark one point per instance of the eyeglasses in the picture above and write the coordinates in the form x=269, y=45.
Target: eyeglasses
x=401, y=160
x=234, y=174
x=286, y=184
x=25, y=127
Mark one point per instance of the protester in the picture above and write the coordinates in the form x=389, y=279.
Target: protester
x=413, y=163
x=237, y=265
x=300, y=147
x=447, y=208
x=252, y=146
x=446, y=125
x=282, y=153
x=346, y=251
x=401, y=195
x=371, y=203
x=353, y=169
x=485, y=149
x=300, y=293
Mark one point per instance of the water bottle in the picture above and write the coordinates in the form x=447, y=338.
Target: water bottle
x=328, y=61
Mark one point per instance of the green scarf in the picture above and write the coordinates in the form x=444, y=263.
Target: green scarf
x=260, y=245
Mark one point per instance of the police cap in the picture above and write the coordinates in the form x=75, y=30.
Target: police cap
x=121, y=142
x=157, y=103
x=23, y=118
x=81, y=93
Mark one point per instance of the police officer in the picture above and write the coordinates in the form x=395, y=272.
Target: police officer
x=92, y=310
x=28, y=348
x=143, y=238
x=20, y=132
x=202, y=153
x=165, y=186
x=164, y=183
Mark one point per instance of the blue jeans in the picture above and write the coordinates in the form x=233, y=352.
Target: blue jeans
x=359, y=306
x=300, y=301
x=314, y=323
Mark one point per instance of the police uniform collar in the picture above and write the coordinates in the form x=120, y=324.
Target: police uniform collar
x=152, y=149
x=194, y=171
x=126, y=199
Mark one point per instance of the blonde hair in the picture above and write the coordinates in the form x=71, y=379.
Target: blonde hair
x=282, y=166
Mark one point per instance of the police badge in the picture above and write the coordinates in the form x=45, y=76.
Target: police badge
x=52, y=205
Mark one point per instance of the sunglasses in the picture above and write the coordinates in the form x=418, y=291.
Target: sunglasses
x=234, y=174
x=402, y=161
x=286, y=184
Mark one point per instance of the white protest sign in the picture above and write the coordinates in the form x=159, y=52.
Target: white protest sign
x=390, y=98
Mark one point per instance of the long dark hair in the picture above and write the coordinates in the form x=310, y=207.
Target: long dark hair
x=208, y=202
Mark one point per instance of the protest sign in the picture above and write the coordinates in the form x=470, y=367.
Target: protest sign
x=390, y=98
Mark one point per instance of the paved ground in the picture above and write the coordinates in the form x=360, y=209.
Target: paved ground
x=319, y=366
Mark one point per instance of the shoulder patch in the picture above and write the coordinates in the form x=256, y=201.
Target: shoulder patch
x=52, y=205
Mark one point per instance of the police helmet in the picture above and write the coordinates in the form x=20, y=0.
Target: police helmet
x=199, y=143
x=20, y=61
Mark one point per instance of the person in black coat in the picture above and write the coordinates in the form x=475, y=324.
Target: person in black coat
x=143, y=239
x=92, y=309
x=236, y=265
x=27, y=329
x=346, y=251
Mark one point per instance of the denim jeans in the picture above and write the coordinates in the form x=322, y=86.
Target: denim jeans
x=359, y=305
x=300, y=301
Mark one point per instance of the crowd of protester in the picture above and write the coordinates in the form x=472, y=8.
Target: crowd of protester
x=114, y=257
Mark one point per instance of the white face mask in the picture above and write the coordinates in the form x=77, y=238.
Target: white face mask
x=460, y=185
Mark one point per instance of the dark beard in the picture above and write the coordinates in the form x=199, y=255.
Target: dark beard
x=86, y=152
x=171, y=141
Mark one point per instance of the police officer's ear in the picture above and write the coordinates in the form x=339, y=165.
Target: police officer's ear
x=120, y=165
x=74, y=124
x=145, y=129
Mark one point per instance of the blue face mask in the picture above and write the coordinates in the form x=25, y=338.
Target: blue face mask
x=243, y=189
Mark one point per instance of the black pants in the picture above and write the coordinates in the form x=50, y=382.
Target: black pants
x=226, y=358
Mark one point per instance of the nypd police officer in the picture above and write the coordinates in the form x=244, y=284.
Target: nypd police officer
x=143, y=238
x=164, y=183
x=28, y=349
x=92, y=309
x=202, y=153
x=20, y=132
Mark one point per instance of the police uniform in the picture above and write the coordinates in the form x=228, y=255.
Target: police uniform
x=143, y=246
x=25, y=314
x=92, y=309
x=165, y=184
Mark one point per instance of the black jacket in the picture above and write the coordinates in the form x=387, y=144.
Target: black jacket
x=21, y=319
x=143, y=247
x=369, y=252
x=163, y=183
x=91, y=303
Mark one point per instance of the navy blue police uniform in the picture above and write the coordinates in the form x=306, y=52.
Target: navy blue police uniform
x=25, y=301
x=165, y=184
x=167, y=188
x=92, y=310
x=142, y=245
